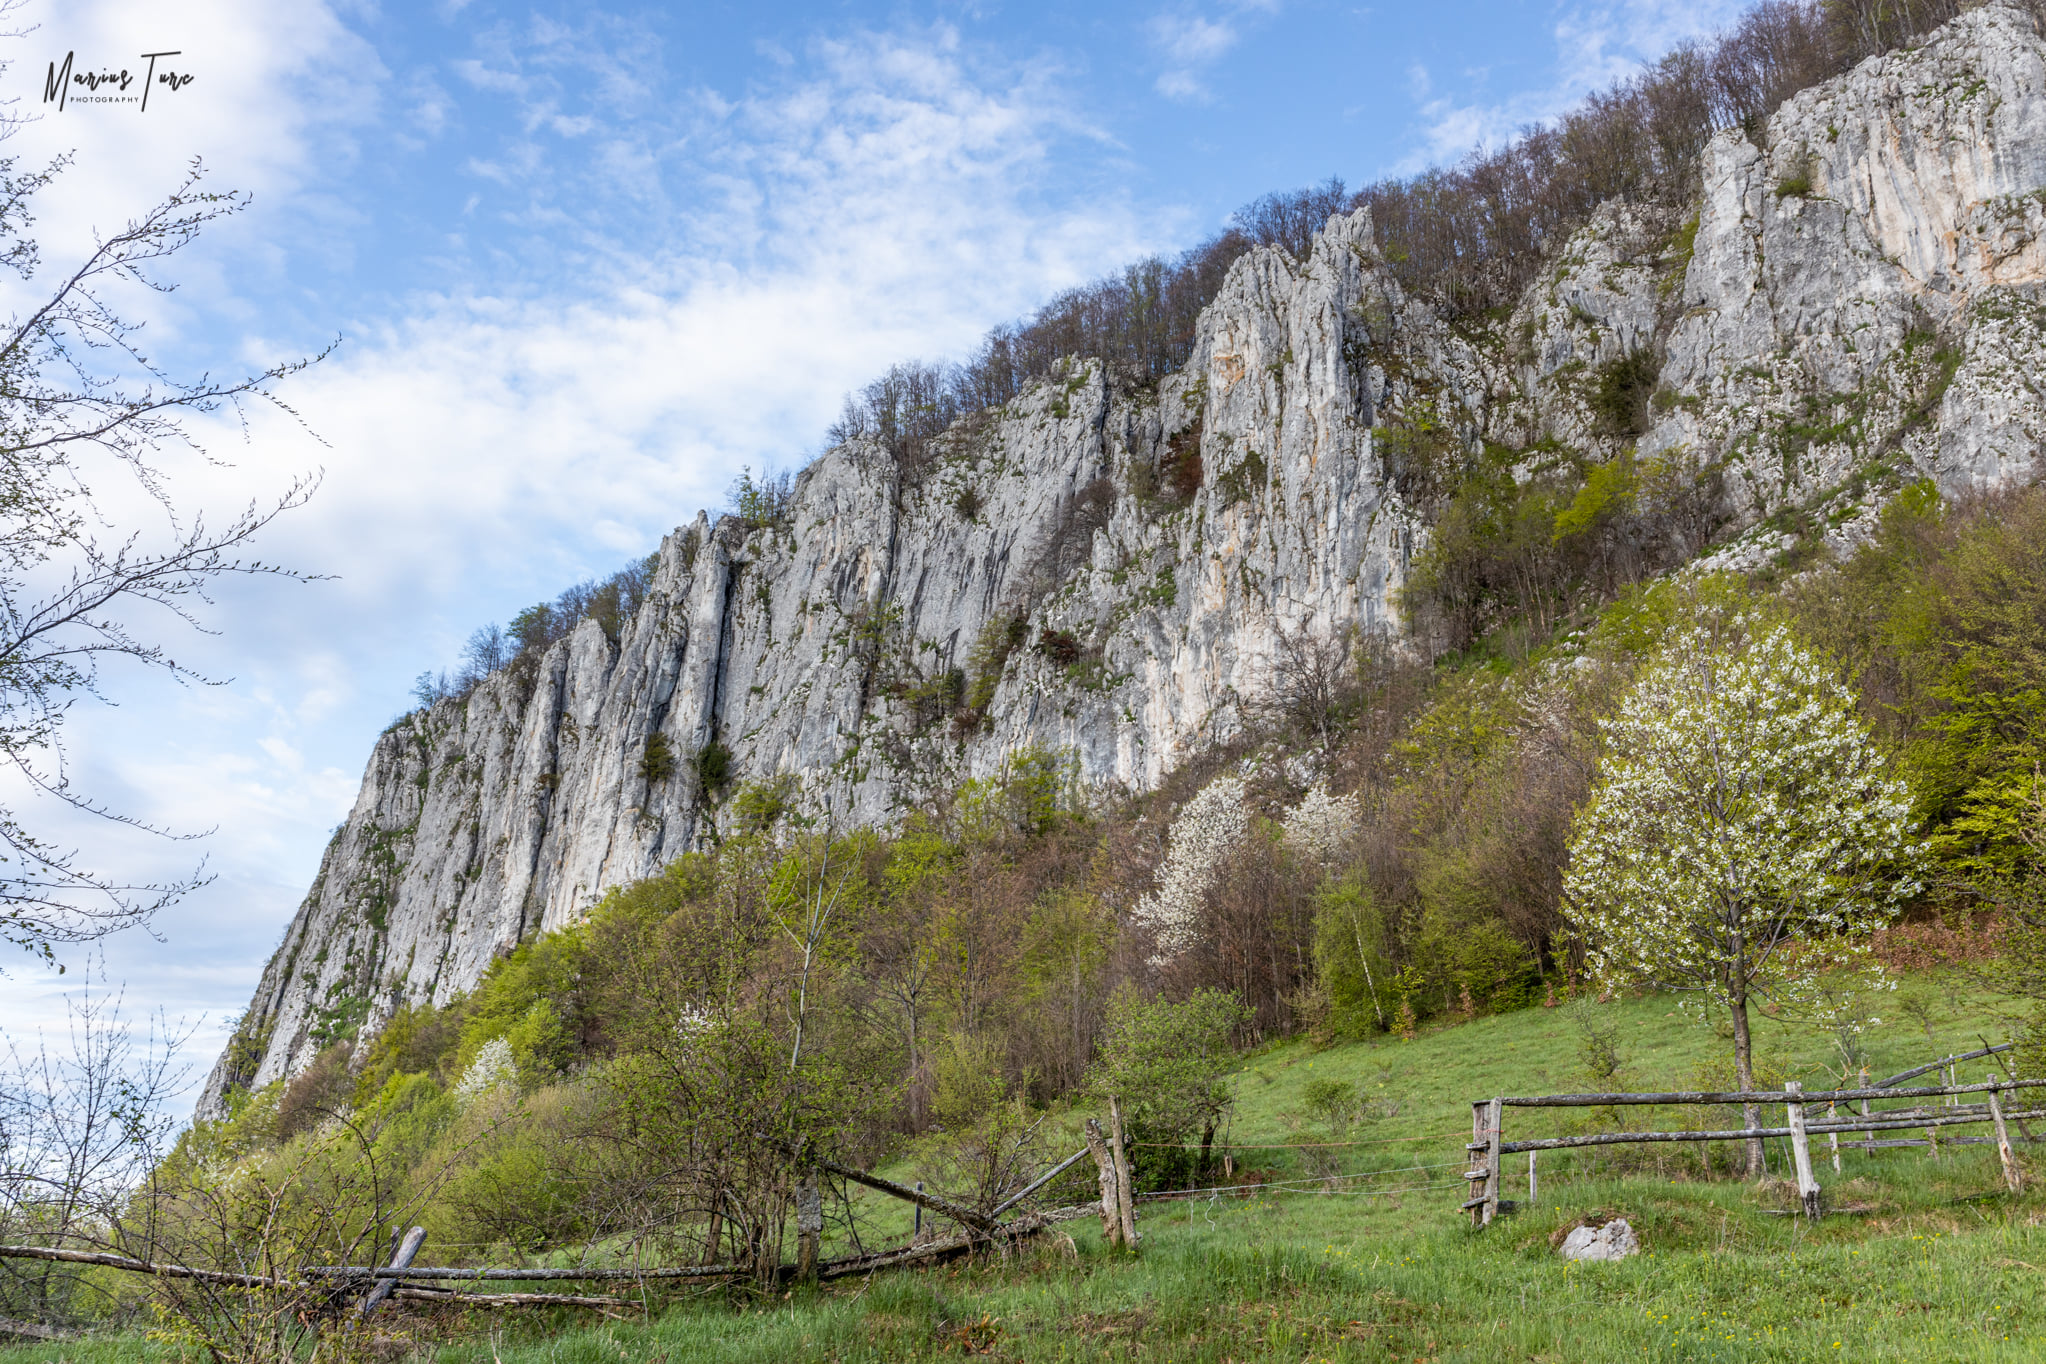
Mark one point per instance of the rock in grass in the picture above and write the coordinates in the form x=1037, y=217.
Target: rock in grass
x=1615, y=1240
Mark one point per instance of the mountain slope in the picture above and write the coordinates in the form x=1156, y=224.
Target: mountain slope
x=1120, y=573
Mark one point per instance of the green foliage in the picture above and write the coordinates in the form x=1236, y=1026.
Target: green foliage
x=1942, y=617
x=760, y=805
x=416, y=1040
x=1423, y=453
x=521, y=1179
x=520, y=999
x=1350, y=961
x=1619, y=398
x=657, y=762
x=768, y=500
x=1331, y=1102
x=1796, y=185
x=1166, y=1065
x=713, y=768
x=1608, y=490
x=998, y=638
x=1033, y=794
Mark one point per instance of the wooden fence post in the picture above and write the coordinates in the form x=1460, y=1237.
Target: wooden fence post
x=1484, y=1149
x=809, y=1229
x=2012, y=1179
x=1111, y=1206
x=1530, y=1179
x=1485, y=1123
x=1801, y=1153
x=1833, y=1138
x=1125, y=1190
x=383, y=1288
x=1475, y=1174
x=1867, y=1138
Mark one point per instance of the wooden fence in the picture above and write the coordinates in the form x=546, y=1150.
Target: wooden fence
x=1489, y=1146
x=371, y=1285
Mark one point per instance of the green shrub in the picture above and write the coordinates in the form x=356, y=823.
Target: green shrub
x=657, y=762
x=713, y=768
x=1619, y=400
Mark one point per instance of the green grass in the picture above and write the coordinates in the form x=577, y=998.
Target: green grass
x=1934, y=1263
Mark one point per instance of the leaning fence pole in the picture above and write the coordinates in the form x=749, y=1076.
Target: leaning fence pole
x=383, y=1288
x=2012, y=1180
x=1801, y=1153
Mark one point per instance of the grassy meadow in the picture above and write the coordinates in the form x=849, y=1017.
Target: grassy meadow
x=1927, y=1259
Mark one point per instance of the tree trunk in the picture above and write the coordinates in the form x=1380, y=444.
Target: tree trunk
x=1111, y=1207
x=1207, y=1152
x=1125, y=1191
x=1744, y=1077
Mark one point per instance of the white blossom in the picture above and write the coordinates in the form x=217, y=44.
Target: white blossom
x=1208, y=828
x=493, y=1066
x=1745, y=833
x=1321, y=824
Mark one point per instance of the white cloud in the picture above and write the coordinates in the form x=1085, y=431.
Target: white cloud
x=1190, y=43
x=1596, y=45
x=709, y=278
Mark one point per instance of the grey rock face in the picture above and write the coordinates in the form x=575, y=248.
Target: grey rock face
x=1110, y=571
x=1613, y=1241
x=1876, y=265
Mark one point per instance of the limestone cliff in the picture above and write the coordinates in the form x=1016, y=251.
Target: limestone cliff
x=1108, y=571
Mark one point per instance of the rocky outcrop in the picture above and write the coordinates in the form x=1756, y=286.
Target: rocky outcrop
x=1115, y=573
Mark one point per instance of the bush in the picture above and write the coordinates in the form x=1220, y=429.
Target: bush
x=1619, y=401
x=713, y=768
x=657, y=762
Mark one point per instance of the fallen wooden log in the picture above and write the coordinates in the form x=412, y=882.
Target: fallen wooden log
x=591, y=1274
x=449, y=1295
x=953, y=1245
x=134, y=1266
x=34, y=1330
x=215, y=1276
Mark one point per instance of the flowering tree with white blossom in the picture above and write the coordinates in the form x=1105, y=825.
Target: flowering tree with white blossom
x=1208, y=829
x=1321, y=824
x=1744, y=834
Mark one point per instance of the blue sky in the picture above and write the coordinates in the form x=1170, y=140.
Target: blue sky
x=584, y=261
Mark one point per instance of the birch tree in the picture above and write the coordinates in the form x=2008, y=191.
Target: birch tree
x=1744, y=834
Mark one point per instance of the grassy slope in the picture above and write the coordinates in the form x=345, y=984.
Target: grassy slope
x=1937, y=1265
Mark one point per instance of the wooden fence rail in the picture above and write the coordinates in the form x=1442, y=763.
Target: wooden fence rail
x=1488, y=1142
